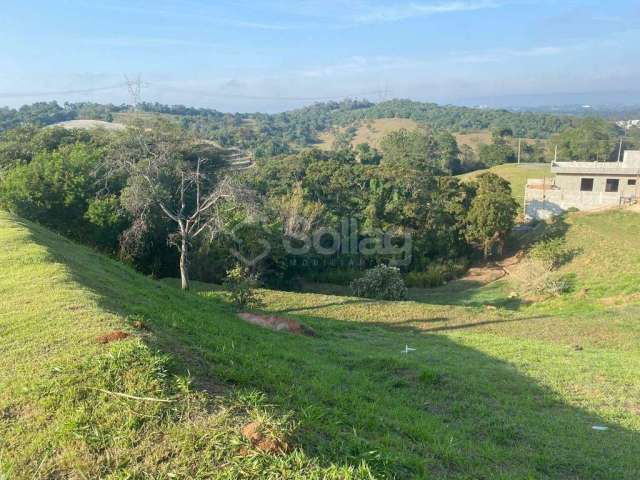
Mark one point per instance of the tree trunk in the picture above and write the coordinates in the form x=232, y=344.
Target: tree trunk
x=184, y=263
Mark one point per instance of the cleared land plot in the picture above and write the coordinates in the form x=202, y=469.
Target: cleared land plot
x=91, y=124
x=511, y=392
x=371, y=132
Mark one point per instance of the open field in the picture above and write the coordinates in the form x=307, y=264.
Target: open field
x=474, y=140
x=90, y=124
x=146, y=117
x=511, y=392
x=371, y=132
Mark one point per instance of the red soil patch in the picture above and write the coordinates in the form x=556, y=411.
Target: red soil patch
x=114, y=336
x=277, y=324
x=252, y=432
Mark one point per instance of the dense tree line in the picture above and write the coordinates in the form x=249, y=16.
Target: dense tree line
x=49, y=113
x=459, y=119
x=274, y=134
x=141, y=193
x=591, y=139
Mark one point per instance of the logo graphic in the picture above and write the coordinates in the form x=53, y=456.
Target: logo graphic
x=253, y=252
x=347, y=240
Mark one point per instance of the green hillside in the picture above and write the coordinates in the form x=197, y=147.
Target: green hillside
x=504, y=393
x=56, y=419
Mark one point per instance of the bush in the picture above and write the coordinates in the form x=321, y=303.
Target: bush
x=553, y=253
x=556, y=285
x=537, y=277
x=432, y=277
x=241, y=286
x=435, y=275
x=381, y=282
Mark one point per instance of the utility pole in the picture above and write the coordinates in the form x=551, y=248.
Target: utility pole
x=519, y=149
x=555, y=158
x=620, y=151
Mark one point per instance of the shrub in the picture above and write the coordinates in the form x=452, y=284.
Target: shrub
x=552, y=252
x=435, y=275
x=381, y=282
x=556, y=285
x=432, y=277
x=241, y=286
x=538, y=278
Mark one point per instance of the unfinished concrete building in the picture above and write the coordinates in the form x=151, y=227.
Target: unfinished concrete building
x=584, y=186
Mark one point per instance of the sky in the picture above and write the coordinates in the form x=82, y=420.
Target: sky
x=274, y=55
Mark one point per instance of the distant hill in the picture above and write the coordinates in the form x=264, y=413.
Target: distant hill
x=300, y=127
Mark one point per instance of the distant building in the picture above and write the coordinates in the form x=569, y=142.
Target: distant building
x=584, y=186
x=627, y=124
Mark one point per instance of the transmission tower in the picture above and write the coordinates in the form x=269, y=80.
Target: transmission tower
x=135, y=85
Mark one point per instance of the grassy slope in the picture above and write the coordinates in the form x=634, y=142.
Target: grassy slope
x=605, y=295
x=487, y=394
x=371, y=132
x=56, y=297
x=515, y=174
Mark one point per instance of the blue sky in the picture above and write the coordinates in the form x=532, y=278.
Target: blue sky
x=272, y=55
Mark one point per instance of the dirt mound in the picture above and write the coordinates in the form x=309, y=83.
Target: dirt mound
x=114, y=336
x=253, y=432
x=277, y=324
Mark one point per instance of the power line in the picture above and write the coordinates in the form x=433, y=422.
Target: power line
x=61, y=92
x=265, y=97
x=134, y=87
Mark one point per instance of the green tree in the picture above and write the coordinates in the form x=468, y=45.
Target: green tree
x=367, y=155
x=59, y=190
x=592, y=139
x=173, y=173
x=492, y=214
x=498, y=152
x=414, y=150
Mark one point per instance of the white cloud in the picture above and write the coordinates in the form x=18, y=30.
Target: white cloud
x=381, y=14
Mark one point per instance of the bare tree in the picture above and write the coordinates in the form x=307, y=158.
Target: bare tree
x=182, y=177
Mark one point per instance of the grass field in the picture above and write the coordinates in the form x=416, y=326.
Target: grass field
x=505, y=393
x=371, y=132
x=516, y=175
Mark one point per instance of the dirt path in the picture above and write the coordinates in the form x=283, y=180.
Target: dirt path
x=485, y=274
